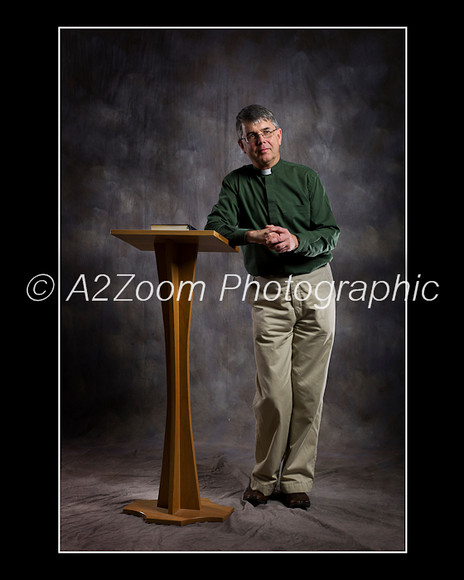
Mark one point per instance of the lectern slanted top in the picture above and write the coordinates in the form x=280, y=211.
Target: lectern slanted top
x=205, y=240
x=179, y=500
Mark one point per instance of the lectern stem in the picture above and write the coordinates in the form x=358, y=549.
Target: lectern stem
x=179, y=480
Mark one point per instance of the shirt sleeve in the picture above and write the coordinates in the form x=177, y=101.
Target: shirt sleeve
x=225, y=215
x=323, y=232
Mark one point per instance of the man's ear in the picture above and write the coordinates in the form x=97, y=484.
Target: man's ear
x=241, y=145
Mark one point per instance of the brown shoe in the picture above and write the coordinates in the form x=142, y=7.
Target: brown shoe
x=296, y=500
x=255, y=497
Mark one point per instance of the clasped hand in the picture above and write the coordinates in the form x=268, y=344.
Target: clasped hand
x=275, y=238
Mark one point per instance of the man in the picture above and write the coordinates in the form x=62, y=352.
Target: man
x=280, y=214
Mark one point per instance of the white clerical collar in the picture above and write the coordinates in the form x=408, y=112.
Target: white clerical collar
x=266, y=171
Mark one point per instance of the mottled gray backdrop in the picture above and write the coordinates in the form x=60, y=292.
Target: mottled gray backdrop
x=147, y=134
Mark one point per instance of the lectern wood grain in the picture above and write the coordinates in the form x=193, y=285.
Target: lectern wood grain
x=179, y=500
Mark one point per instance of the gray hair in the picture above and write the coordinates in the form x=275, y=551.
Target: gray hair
x=253, y=114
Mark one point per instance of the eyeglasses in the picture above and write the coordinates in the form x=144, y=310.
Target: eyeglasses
x=253, y=137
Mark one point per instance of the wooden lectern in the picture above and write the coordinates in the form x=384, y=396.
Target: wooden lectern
x=179, y=499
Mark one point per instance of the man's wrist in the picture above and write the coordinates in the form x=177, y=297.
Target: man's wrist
x=251, y=236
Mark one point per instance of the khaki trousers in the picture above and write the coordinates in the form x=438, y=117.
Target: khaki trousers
x=293, y=329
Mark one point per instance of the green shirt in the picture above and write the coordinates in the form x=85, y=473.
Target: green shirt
x=293, y=197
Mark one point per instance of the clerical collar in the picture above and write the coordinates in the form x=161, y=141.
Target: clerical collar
x=269, y=170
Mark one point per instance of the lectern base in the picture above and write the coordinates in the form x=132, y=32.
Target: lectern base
x=152, y=514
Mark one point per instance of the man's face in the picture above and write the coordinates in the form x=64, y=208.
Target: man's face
x=263, y=151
